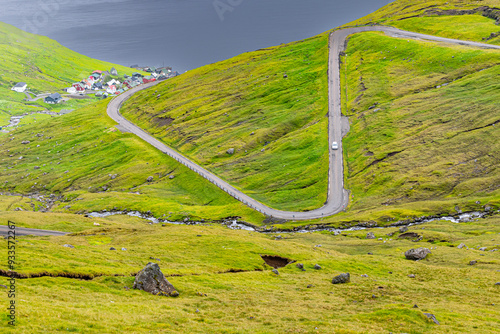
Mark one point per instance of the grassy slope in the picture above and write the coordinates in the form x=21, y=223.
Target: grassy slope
x=45, y=65
x=461, y=296
x=217, y=107
x=88, y=136
x=417, y=16
x=445, y=136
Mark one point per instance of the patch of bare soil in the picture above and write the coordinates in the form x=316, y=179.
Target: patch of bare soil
x=276, y=261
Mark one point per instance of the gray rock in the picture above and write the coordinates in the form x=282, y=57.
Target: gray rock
x=285, y=76
x=152, y=280
x=342, y=278
x=403, y=229
x=432, y=317
x=473, y=262
x=69, y=246
x=370, y=235
x=150, y=179
x=497, y=283
x=411, y=276
x=417, y=254
x=25, y=142
x=36, y=167
x=364, y=275
x=112, y=248
x=276, y=271
x=482, y=249
x=317, y=267
x=171, y=177
x=462, y=245
x=4, y=286
x=300, y=265
x=380, y=239
x=124, y=249
x=113, y=71
x=230, y=151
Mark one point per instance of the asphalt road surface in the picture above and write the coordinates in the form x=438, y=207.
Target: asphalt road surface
x=338, y=197
x=4, y=230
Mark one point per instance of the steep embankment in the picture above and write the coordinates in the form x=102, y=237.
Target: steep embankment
x=269, y=106
x=424, y=121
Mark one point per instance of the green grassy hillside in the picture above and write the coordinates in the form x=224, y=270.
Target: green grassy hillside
x=433, y=135
x=45, y=65
x=84, y=159
x=467, y=20
x=202, y=262
x=423, y=141
x=276, y=124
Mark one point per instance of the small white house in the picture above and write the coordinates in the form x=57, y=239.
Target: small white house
x=111, y=89
x=71, y=90
x=113, y=82
x=20, y=87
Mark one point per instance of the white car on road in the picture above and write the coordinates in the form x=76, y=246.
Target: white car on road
x=335, y=145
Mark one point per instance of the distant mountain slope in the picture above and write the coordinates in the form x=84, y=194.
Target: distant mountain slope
x=45, y=65
x=468, y=20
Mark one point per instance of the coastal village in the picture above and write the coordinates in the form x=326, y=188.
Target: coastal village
x=102, y=83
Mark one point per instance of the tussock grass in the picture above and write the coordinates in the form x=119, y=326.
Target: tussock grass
x=461, y=296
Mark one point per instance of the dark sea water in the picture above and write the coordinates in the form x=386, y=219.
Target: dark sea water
x=184, y=34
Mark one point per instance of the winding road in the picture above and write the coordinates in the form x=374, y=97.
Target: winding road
x=4, y=231
x=338, y=197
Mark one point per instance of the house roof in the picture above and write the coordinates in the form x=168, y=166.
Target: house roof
x=21, y=84
x=54, y=96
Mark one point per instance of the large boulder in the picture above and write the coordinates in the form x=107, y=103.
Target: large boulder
x=417, y=254
x=152, y=280
x=342, y=278
x=370, y=235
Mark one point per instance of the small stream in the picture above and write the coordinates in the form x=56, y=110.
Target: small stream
x=15, y=120
x=234, y=224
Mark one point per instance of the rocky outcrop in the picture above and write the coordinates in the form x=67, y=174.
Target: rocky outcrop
x=342, y=278
x=492, y=13
x=152, y=280
x=417, y=254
